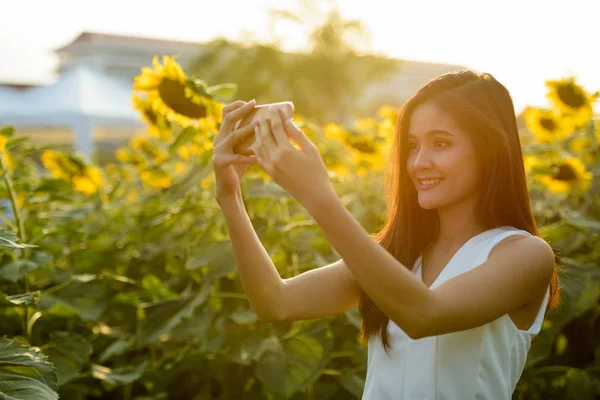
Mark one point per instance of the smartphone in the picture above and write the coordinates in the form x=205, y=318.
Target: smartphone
x=242, y=147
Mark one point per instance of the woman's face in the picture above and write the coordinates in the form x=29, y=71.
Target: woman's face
x=442, y=162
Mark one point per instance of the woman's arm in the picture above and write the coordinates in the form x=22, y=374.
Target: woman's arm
x=319, y=292
x=260, y=278
x=503, y=283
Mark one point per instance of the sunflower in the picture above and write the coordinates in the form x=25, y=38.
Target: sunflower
x=7, y=161
x=172, y=94
x=149, y=148
x=188, y=150
x=128, y=156
x=571, y=99
x=546, y=125
x=388, y=112
x=156, y=178
x=84, y=179
x=158, y=126
x=569, y=174
x=62, y=166
x=366, y=124
x=366, y=152
x=582, y=146
x=89, y=181
x=334, y=132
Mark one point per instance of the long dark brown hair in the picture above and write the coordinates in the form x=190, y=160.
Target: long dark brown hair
x=483, y=108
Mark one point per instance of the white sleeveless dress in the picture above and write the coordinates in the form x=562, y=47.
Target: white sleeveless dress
x=484, y=363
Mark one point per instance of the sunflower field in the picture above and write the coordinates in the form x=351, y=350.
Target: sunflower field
x=117, y=281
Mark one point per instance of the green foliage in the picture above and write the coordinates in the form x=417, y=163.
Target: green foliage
x=130, y=290
x=24, y=372
x=323, y=82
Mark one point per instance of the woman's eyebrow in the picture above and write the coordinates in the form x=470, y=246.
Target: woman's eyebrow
x=435, y=131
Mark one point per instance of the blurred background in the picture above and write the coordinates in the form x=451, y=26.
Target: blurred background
x=117, y=275
x=332, y=58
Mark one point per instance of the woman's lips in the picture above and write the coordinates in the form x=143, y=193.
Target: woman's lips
x=424, y=187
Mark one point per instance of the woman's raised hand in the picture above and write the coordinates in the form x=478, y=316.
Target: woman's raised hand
x=229, y=166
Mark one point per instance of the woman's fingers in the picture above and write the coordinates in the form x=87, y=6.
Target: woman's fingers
x=233, y=106
x=231, y=117
x=239, y=134
x=221, y=160
x=259, y=149
x=266, y=137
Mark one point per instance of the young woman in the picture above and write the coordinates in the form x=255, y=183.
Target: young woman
x=455, y=286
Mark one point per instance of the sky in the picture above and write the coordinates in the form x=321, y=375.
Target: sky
x=522, y=43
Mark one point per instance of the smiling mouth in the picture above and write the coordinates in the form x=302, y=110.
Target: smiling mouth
x=429, y=183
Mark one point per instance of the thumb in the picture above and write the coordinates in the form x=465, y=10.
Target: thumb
x=297, y=135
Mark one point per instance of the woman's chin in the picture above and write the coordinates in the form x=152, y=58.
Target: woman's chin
x=429, y=204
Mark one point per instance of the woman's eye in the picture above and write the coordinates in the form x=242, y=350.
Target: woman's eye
x=446, y=144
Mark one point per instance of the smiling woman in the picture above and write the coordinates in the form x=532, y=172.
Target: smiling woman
x=457, y=190
x=458, y=275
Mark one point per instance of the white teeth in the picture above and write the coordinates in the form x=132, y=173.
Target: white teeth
x=430, y=182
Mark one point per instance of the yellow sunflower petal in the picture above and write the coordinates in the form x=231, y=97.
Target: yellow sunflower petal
x=547, y=126
x=84, y=184
x=571, y=99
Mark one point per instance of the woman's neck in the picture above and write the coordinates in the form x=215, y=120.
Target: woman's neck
x=457, y=224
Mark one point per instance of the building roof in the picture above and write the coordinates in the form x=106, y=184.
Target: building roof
x=18, y=86
x=125, y=41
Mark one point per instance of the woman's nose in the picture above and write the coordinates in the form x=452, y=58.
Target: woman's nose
x=422, y=159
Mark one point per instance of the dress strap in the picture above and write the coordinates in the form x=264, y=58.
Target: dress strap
x=484, y=253
x=485, y=247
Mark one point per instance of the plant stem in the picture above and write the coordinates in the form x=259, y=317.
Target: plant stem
x=20, y=223
x=127, y=391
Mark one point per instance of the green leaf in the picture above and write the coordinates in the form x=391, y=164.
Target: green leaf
x=583, y=270
x=54, y=185
x=582, y=222
x=199, y=86
x=581, y=385
x=116, y=348
x=194, y=328
x=156, y=288
x=23, y=299
x=7, y=131
x=14, y=142
x=83, y=295
x=25, y=374
x=244, y=317
x=218, y=255
x=162, y=317
x=8, y=239
x=578, y=297
x=68, y=352
x=245, y=350
x=287, y=367
x=352, y=383
x=19, y=268
x=118, y=376
x=223, y=93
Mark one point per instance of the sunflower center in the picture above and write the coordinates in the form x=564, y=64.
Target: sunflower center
x=173, y=94
x=548, y=123
x=364, y=146
x=565, y=173
x=570, y=96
